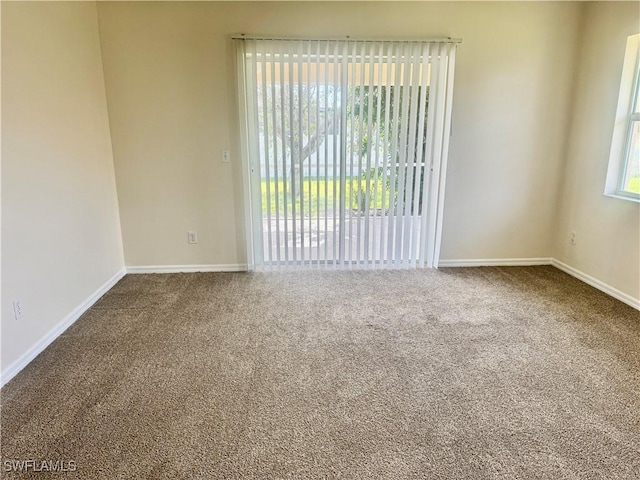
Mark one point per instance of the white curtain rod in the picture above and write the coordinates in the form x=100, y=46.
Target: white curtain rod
x=348, y=38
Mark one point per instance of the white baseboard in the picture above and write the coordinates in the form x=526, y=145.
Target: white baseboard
x=594, y=282
x=56, y=331
x=495, y=262
x=512, y=262
x=232, y=267
x=66, y=322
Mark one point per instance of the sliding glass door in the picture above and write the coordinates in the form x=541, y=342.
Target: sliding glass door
x=346, y=150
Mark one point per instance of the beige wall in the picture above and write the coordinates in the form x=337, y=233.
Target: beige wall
x=60, y=227
x=607, y=229
x=536, y=91
x=170, y=88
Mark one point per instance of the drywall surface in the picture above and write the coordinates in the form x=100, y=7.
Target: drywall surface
x=60, y=227
x=169, y=74
x=607, y=229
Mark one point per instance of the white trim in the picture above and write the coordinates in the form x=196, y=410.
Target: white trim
x=594, y=282
x=620, y=139
x=231, y=267
x=59, y=329
x=241, y=99
x=624, y=196
x=523, y=262
x=34, y=351
x=496, y=262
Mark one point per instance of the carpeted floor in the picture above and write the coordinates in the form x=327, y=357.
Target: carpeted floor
x=514, y=373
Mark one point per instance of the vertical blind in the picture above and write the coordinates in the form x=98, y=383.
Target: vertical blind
x=347, y=142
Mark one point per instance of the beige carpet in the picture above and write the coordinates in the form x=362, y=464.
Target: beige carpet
x=514, y=373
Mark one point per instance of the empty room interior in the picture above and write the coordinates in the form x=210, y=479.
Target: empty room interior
x=320, y=239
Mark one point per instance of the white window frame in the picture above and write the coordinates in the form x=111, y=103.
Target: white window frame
x=623, y=127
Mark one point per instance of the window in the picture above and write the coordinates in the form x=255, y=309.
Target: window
x=346, y=146
x=623, y=176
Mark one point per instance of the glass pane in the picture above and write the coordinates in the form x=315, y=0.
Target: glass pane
x=632, y=174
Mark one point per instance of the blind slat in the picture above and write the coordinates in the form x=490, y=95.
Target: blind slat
x=376, y=159
x=402, y=155
x=367, y=189
x=343, y=153
x=358, y=152
x=421, y=174
x=318, y=162
x=391, y=224
x=325, y=116
x=274, y=119
x=283, y=108
x=337, y=69
x=437, y=148
x=299, y=167
x=384, y=229
x=412, y=164
x=450, y=60
x=267, y=129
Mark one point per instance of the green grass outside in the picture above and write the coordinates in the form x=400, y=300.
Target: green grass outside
x=634, y=184
x=321, y=191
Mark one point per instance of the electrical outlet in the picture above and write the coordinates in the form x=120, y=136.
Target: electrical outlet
x=192, y=237
x=226, y=156
x=17, y=309
x=572, y=240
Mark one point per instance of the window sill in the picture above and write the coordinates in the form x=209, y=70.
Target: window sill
x=623, y=197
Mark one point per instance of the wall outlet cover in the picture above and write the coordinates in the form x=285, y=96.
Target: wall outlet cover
x=18, y=312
